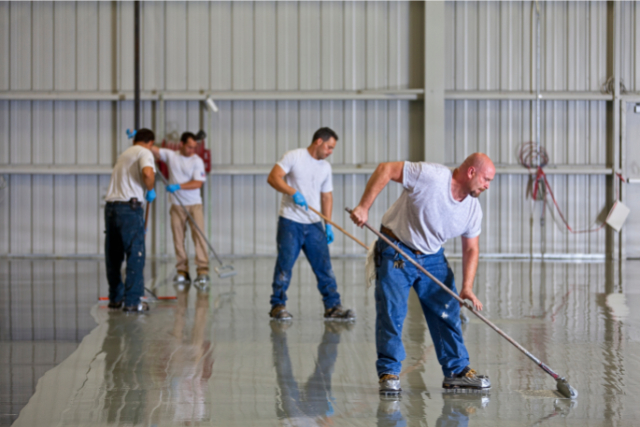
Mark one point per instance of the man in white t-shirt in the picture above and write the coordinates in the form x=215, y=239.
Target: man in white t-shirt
x=186, y=177
x=124, y=221
x=435, y=205
x=304, y=177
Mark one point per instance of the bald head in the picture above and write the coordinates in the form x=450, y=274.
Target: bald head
x=479, y=161
x=474, y=175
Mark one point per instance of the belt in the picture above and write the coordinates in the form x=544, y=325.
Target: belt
x=389, y=233
x=134, y=203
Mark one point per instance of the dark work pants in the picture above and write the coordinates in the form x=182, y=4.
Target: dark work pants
x=124, y=239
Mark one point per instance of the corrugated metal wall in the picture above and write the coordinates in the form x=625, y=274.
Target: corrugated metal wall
x=87, y=46
x=491, y=46
x=194, y=46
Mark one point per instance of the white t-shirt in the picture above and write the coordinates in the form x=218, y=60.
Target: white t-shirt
x=426, y=215
x=184, y=169
x=126, y=178
x=310, y=177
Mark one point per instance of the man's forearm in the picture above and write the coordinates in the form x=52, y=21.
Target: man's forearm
x=469, y=267
x=327, y=204
x=191, y=185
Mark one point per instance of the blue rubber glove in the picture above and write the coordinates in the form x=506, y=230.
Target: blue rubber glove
x=172, y=188
x=151, y=195
x=329, y=232
x=131, y=134
x=299, y=200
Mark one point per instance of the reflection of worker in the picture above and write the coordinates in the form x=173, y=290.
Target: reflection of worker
x=191, y=364
x=186, y=176
x=390, y=414
x=124, y=222
x=124, y=350
x=434, y=206
x=304, y=177
x=311, y=405
x=457, y=407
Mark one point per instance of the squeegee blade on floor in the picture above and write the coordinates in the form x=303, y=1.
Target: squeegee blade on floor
x=225, y=271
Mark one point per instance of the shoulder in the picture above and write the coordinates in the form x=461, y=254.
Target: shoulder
x=294, y=153
x=436, y=168
x=435, y=171
x=136, y=152
x=166, y=152
x=292, y=156
x=427, y=170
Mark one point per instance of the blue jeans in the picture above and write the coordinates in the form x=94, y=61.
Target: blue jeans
x=124, y=237
x=395, y=277
x=292, y=237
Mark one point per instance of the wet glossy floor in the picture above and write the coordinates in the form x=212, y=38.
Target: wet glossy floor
x=215, y=359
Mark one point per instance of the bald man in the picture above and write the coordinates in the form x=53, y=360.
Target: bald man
x=436, y=205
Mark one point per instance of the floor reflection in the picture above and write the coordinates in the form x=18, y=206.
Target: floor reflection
x=191, y=364
x=313, y=401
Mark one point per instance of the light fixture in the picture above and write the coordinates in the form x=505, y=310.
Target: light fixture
x=211, y=105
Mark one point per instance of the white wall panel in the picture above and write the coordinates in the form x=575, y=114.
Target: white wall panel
x=20, y=208
x=20, y=46
x=198, y=45
x=65, y=214
x=42, y=49
x=175, y=45
x=5, y=131
x=5, y=30
x=20, y=132
x=65, y=45
x=106, y=47
x=42, y=132
x=86, y=47
x=153, y=36
x=42, y=209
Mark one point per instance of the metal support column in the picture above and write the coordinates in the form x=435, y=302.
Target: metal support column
x=612, y=246
x=434, y=63
x=136, y=65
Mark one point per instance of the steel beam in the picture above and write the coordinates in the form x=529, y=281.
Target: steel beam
x=254, y=95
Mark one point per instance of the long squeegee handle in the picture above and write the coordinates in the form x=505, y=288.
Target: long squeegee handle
x=339, y=228
x=146, y=217
x=462, y=302
x=193, y=221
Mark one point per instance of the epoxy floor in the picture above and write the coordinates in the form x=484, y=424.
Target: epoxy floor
x=216, y=359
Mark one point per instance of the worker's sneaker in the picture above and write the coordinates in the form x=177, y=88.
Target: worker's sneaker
x=182, y=277
x=468, y=378
x=115, y=305
x=141, y=307
x=279, y=312
x=202, y=282
x=337, y=313
x=389, y=384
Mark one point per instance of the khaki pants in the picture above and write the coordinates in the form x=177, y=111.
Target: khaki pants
x=179, y=221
